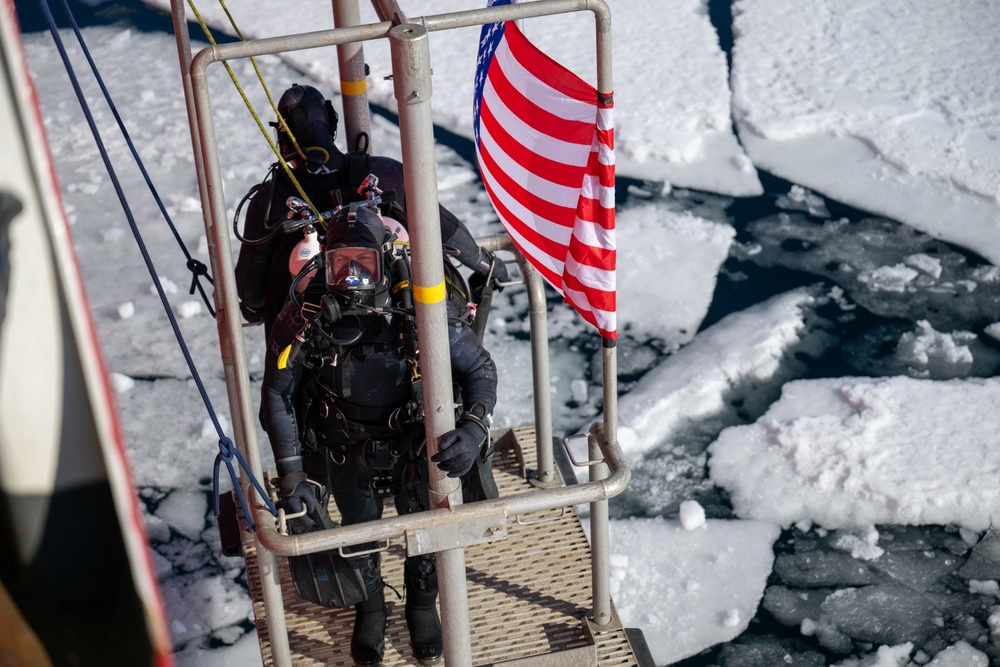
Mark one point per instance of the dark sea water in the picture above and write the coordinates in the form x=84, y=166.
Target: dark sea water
x=132, y=14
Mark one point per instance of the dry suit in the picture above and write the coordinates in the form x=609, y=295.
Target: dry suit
x=348, y=416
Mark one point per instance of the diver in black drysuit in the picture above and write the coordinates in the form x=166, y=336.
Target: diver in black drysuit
x=262, y=275
x=363, y=436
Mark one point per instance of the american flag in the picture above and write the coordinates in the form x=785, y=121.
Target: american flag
x=545, y=143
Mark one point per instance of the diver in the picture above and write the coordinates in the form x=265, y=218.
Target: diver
x=330, y=178
x=348, y=342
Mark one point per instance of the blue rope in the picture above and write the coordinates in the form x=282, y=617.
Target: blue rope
x=225, y=455
x=196, y=267
x=226, y=449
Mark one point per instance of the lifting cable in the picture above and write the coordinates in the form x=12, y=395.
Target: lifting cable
x=260, y=125
x=197, y=268
x=226, y=449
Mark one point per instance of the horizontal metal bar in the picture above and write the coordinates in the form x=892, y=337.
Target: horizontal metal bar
x=297, y=42
x=496, y=242
x=392, y=527
x=370, y=31
x=512, y=12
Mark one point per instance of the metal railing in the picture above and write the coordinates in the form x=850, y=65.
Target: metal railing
x=466, y=525
x=450, y=526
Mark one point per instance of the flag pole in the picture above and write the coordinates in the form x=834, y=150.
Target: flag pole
x=600, y=537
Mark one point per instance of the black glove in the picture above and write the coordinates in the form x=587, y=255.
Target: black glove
x=250, y=314
x=459, y=448
x=500, y=274
x=482, y=269
x=296, y=494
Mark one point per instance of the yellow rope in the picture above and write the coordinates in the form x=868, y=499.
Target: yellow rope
x=260, y=77
x=260, y=124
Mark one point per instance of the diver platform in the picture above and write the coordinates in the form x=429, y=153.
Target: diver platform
x=529, y=594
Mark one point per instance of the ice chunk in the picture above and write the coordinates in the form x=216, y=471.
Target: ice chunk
x=184, y=511
x=960, y=654
x=692, y=515
x=121, y=383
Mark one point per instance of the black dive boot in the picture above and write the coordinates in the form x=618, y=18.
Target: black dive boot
x=424, y=626
x=420, y=578
x=368, y=640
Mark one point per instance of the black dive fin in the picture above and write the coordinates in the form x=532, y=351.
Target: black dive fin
x=326, y=578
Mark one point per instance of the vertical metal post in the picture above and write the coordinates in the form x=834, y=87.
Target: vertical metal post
x=537, y=316
x=274, y=603
x=600, y=547
x=231, y=346
x=214, y=216
x=412, y=87
x=353, y=77
x=600, y=567
x=184, y=57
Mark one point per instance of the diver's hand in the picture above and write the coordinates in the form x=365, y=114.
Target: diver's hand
x=486, y=263
x=500, y=274
x=295, y=494
x=250, y=314
x=459, y=448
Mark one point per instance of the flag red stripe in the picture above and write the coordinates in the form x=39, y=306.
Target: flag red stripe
x=534, y=115
x=547, y=69
x=598, y=299
x=591, y=210
x=559, y=173
x=559, y=215
x=595, y=318
x=605, y=172
x=601, y=258
x=544, y=244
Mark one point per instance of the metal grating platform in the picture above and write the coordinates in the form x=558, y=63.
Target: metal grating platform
x=528, y=594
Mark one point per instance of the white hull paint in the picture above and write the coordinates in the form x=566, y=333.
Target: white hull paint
x=72, y=538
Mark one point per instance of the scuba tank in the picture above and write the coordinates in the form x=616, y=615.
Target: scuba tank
x=401, y=285
x=304, y=251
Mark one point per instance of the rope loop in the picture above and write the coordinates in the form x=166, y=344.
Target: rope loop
x=198, y=269
x=227, y=451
